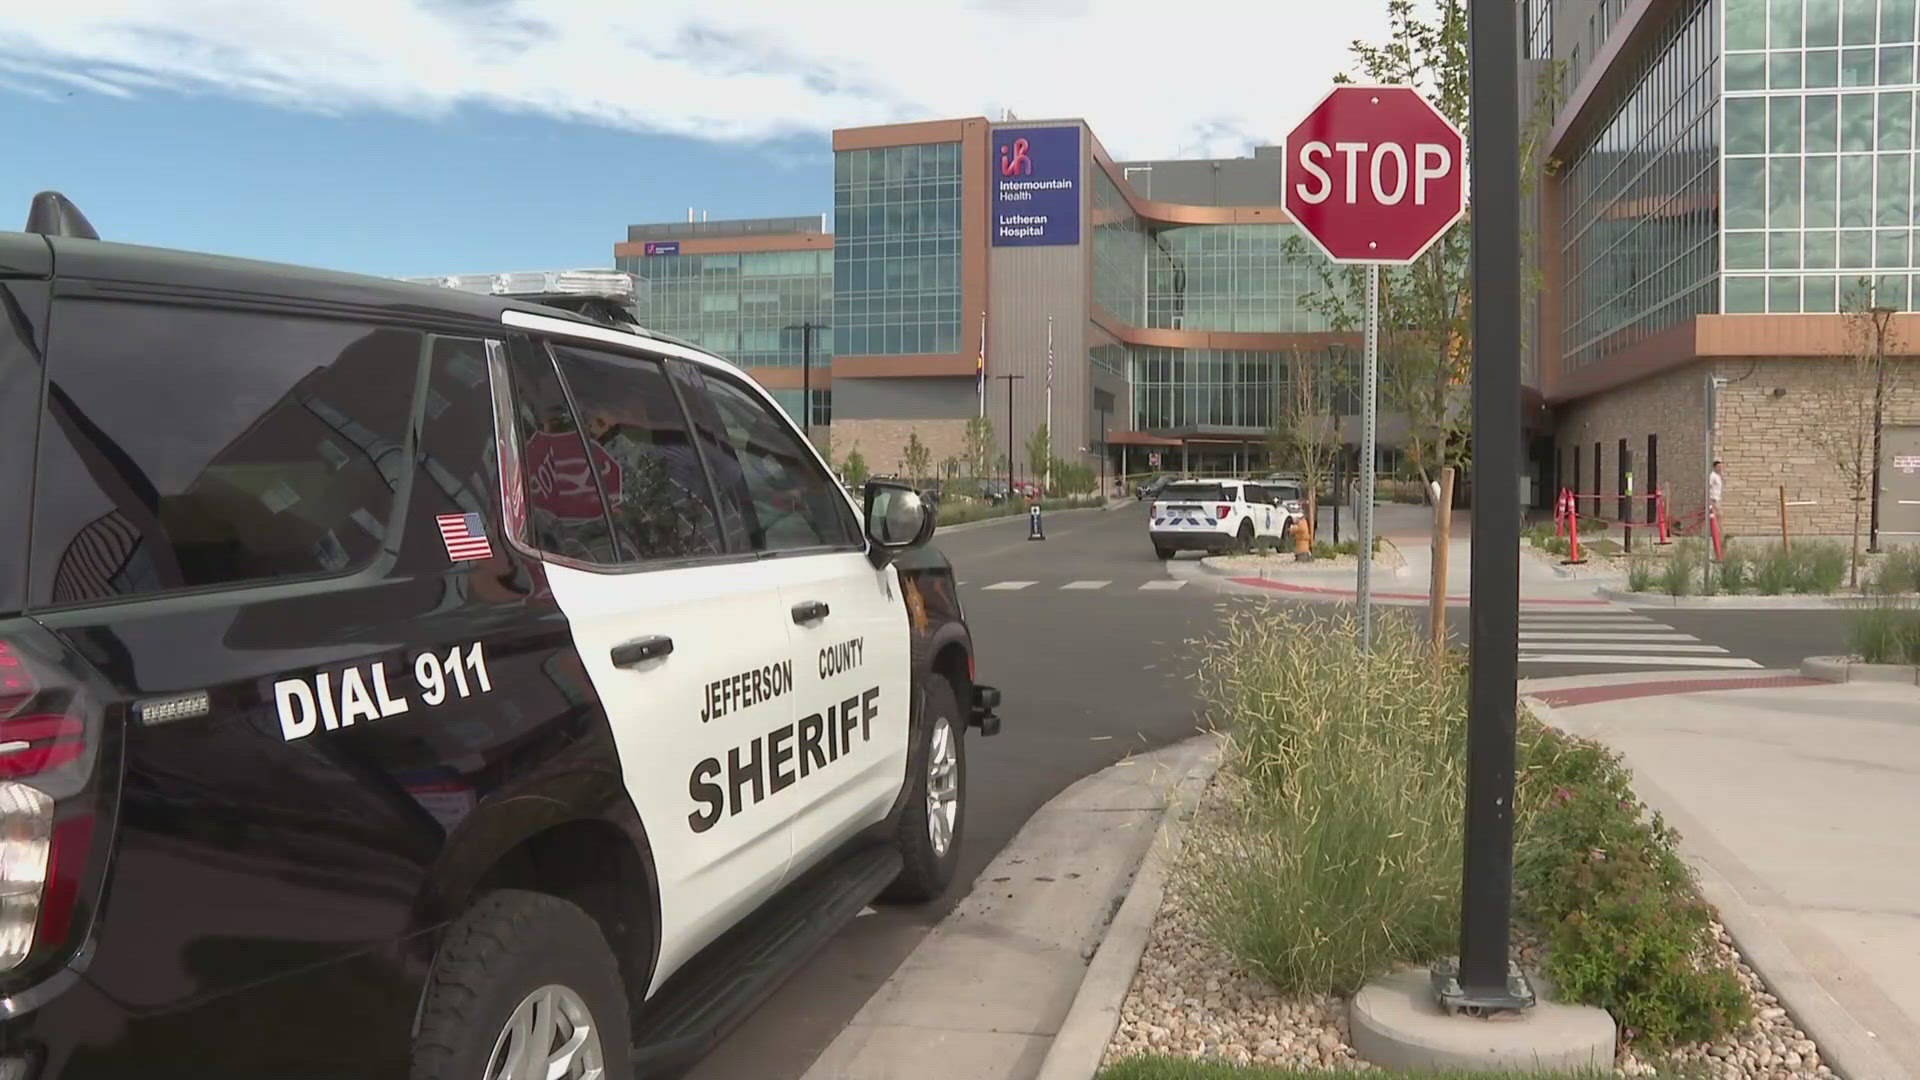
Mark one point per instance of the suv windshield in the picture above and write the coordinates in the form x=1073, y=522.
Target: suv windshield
x=1195, y=492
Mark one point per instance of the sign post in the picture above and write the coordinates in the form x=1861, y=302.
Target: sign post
x=1374, y=175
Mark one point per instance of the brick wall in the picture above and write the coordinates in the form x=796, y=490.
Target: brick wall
x=883, y=443
x=1764, y=440
x=1669, y=406
x=1767, y=441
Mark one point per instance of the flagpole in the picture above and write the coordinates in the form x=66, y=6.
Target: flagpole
x=980, y=368
x=1048, y=465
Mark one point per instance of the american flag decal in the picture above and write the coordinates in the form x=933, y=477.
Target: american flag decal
x=465, y=538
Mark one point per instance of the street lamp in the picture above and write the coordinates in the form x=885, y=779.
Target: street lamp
x=806, y=329
x=1881, y=317
x=1103, y=411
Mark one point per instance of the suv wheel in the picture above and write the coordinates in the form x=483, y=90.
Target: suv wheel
x=1244, y=542
x=524, y=987
x=1164, y=553
x=935, y=817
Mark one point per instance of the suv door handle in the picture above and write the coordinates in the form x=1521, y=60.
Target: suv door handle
x=640, y=650
x=807, y=611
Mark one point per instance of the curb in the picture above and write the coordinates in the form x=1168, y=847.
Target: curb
x=1829, y=602
x=1019, y=516
x=1324, y=594
x=1843, y=669
x=1846, y=1045
x=1082, y=1038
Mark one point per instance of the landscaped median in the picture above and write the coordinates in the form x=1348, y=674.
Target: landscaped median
x=1327, y=852
x=965, y=511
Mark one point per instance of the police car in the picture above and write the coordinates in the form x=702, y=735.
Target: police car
x=402, y=682
x=1218, y=517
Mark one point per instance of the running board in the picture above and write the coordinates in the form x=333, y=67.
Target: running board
x=730, y=978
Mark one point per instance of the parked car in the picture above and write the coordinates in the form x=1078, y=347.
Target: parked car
x=1151, y=488
x=394, y=681
x=1215, y=516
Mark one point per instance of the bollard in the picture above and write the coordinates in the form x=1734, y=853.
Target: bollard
x=1033, y=522
x=1713, y=526
x=1573, y=533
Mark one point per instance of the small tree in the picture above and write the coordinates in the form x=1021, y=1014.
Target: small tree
x=979, y=448
x=1848, y=437
x=950, y=470
x=1306, y=433
x=919, y=459
x=1039, y=450
x=855, y=468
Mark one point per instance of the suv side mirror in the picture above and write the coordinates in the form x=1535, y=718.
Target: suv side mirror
x=898, y=519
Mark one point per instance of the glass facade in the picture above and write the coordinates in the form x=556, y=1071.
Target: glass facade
x=1639, y=226
x=1119, y=253
x=1243, y=278
x=896, y=273
x=1224, y=388
x=744, y=307
x=1820, y=153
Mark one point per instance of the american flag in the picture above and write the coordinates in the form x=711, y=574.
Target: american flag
x=465, y=537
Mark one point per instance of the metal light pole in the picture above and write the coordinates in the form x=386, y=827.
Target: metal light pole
x=1103, y=451
x=1009, y=381
x=1881, y=316
x=806, y=372
x=1486, y=980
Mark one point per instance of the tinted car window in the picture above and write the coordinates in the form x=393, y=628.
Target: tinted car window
x=456, y=465
x=186, y=448
x=1193, y=492
x=661, y=503
x=793, y=502
x=564, y=512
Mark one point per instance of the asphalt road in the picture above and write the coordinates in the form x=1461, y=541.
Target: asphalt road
x=1094, y=667
x=1089, y=675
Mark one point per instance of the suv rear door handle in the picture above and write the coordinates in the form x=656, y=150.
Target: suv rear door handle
x=807, y=611
x=640, y=650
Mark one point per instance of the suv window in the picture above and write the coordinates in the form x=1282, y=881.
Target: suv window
x=661, y=503
x=564, y=513
x=791, y=502
x=1193, y=492
x=188, y=448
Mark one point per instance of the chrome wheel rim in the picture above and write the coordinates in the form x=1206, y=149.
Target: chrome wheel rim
x=943, y=787
x=549, y=1036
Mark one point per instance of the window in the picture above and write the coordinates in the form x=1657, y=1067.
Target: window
x=789, y=501
x=456, y=465
x=1193, y=493
x=657, y=492
x=564, y=512
x=188, y=448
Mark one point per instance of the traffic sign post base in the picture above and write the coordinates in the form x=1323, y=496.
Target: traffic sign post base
x=1033, y=523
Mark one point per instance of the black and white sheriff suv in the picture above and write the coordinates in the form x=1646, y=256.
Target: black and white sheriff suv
x=399, y=682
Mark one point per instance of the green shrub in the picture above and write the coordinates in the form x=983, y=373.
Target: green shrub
x=1342, y=858
x=1733, y=570
x=1774, y=571
x=1682, y=573
x=1820, y=566
x=1640, y=574
x=1900, y=571
x=1885, y=631
x=1625, y=928
x=1345, y=858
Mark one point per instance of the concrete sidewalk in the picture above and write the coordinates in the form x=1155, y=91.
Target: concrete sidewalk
x=1402, y=572
x=1799, y=804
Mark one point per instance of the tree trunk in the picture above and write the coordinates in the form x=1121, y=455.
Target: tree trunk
x=1853, y=572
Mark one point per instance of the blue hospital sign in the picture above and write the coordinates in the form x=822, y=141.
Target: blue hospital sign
x=1036, y=186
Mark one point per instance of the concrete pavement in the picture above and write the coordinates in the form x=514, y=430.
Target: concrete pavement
x=1797, y=804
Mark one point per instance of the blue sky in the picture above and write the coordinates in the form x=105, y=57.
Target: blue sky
x=473, y=192
x=469, y=136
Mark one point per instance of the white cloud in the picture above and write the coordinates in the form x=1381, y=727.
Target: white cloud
x=1155, y=78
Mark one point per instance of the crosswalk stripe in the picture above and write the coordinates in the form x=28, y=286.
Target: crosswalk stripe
x=1593, y=624
x=1582, y=635
x=1643, y=661
x=1645, y=647
x=1008, y=585
x=1162, y=585
x=1086, y=584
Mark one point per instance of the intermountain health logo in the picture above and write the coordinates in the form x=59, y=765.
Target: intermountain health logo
x=1014, y=160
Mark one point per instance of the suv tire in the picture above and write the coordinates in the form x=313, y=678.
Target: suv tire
x=1164, y=553
x=1243, y=543
x=937, y=785
x=509, y=949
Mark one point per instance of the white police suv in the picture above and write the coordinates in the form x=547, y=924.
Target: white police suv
x=398, y=682
x=1216, y=516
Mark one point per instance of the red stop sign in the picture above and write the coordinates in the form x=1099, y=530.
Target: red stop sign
x=1375, y=174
